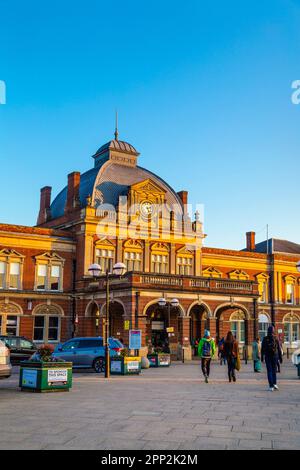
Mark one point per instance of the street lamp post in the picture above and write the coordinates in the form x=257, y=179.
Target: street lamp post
x=162, y=302
x=119, y=269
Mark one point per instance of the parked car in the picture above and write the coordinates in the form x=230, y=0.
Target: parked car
x=20, y=348
x=88, y=352
x=5, y=366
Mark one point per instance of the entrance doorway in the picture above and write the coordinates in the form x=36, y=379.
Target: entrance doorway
x=199, y=322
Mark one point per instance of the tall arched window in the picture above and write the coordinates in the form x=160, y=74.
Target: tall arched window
x=237, y=325
x=291, y=328
x=263, y=325
x=160, y=258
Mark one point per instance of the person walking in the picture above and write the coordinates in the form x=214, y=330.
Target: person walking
x=221, y=351
x=206, y=350
x=271, y=353
x=256, y=354
x=231, y=351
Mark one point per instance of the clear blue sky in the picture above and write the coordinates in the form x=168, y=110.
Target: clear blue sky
x=203, y=91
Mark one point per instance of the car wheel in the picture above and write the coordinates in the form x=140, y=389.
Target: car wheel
x=99, y=365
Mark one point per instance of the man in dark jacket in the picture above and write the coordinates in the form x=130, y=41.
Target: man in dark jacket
x=271, y=352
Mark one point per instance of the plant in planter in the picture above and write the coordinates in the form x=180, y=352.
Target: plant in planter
x=45, y=373
x=125, y=364
x=159, y=358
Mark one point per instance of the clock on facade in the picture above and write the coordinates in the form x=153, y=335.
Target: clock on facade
x=147, y=208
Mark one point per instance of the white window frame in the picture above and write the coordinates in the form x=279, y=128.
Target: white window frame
x=45, y=339
x=106, y=262
x=49, y=266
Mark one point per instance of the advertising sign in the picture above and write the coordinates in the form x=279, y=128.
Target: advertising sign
x=135, y=339
x=29, y=378
x=115, y=366
x=57, y=375
x=132, y=365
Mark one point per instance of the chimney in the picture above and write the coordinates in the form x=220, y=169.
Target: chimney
x=184, y=198
x=45, y=201
x=250, y=237
x=73, y=192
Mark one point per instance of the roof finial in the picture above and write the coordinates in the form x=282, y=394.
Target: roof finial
x=116, y=131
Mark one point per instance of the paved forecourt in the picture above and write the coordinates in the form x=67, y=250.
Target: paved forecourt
x=161, y=409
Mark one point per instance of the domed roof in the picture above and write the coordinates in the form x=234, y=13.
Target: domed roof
x=112, y=178
x=118, y=145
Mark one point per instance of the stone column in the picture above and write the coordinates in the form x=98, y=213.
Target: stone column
x=184, y=338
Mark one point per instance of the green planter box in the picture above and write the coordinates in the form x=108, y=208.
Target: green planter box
x=45, y=376
x=159, y=360
x=125, y=365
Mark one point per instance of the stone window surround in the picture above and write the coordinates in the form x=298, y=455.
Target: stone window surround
x=9, y=256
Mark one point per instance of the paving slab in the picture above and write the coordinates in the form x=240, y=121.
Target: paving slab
x=163, y=409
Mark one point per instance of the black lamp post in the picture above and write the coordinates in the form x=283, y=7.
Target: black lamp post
x=119, y=269
x=162, y=302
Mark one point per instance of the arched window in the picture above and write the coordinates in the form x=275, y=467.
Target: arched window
x=133, y=255
x=263, y=325
x=291, y=328
x=160, y=258
x=47, y=323
x=237, y=325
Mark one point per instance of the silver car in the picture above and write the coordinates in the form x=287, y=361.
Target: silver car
x=5, y=366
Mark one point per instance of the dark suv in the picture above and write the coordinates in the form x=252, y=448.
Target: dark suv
x=20, y=348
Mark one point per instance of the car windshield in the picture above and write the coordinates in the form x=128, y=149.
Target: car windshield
x=90, y=343
x=115, y=343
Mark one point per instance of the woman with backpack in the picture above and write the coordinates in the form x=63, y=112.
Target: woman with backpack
x=271, y=353
x=231, y=352
x=206, y=350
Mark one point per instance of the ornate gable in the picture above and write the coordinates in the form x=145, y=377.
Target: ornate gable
x=212, y=272
x=238, y=274
x=147, y=188
x=9, y=253
x=50, y=257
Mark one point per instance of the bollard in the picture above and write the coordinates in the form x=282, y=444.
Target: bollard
x=182, y=355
